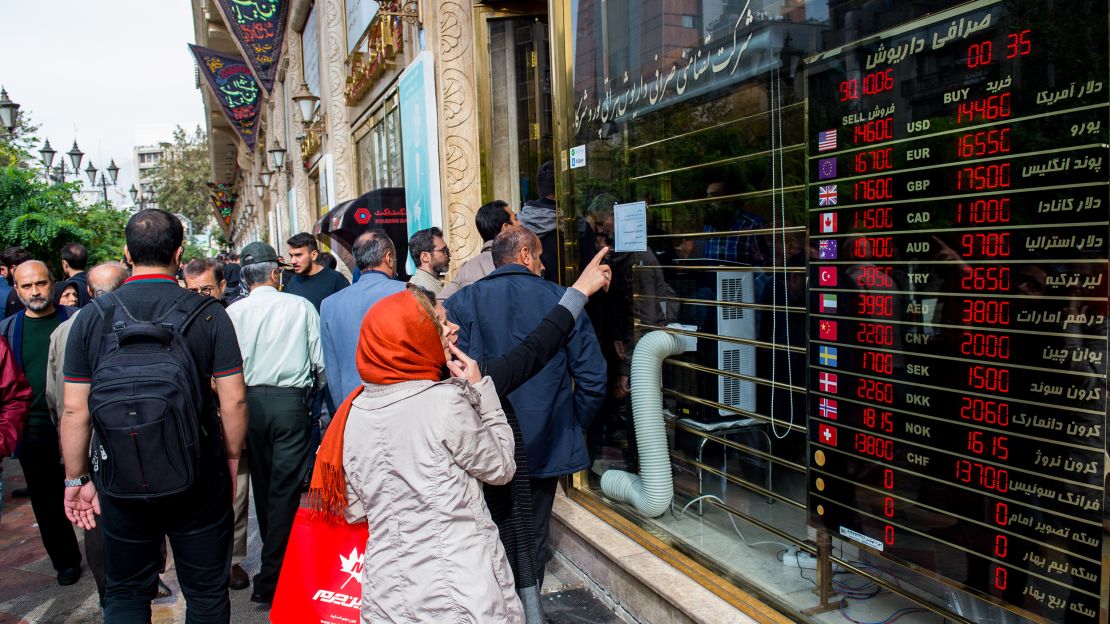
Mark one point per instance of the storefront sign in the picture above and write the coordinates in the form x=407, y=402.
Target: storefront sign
x=416, y=90
x=310, y=53
x=578, y=156
x=630, y=226
x=259, y=29
x=235, y=87
x=373, y=57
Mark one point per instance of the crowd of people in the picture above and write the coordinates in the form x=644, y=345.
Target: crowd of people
x=146, y=399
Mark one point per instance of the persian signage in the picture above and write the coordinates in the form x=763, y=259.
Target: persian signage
x=958, y=311
x=236, y=89
x=259, y=29
x=222, y=197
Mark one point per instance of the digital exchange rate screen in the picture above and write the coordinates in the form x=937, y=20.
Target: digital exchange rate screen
x=958, y=197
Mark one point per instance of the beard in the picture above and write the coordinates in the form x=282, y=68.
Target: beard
x=37, y=304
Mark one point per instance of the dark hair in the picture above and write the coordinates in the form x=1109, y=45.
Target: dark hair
x=370, y=248
x=423, y=241
x=490, y=218
x=153, y=237
x=327, y=260
x=14, y=256
x=302, y=240
x=200, y=266
x=545, y=179
x=509, y=242
x=75, y=256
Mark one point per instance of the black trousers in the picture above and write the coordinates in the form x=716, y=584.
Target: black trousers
x=278, y=439
x=199, y=523
x=543, y=498
x=41, y=460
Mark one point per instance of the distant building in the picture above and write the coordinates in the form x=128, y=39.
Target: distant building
x=147, y=159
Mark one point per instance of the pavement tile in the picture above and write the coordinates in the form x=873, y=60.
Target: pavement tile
x=8, y=618
x=14, y=584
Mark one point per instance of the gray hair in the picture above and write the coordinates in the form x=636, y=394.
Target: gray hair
x=105, y=278
x=509, y=243
x=370, y=249
x=258, y=273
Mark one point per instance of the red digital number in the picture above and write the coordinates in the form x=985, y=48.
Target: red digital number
x=888, y=507
x=875, y=305
x=878, y=82
x=849, y=90
x=982, y=475
x=888, y=535
x=985, y=412
x=873, y=219
x=976, y=344
x=986, y=279
x=874, y=419
x=874, y=131
x=875, y=334
x=875, y=189
x=987, y=245
x=995, y=445
x=1001, y=514
x=984, y=143
x=1001, y=546
x=985, y=109
x=871, y=276
x=979, y=54
x=988, y=378
x=888, y=478
x=983, y=177
x=880, y=363
x=872, y=247
x=1001, y=578
x=874, y=160
x=983, y=211
x=874, y=446
x=877, y=391
x=1019, y=44
x=986, y=312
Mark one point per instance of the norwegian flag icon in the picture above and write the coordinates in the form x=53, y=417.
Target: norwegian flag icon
x=826, y=195
x=826, y=408
x=826, y=434
x=827, y=382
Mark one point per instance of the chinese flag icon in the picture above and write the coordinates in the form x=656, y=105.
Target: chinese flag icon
x=826, y=434
x=826, y=330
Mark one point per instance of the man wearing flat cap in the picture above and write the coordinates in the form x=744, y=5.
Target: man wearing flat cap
x=279, y=336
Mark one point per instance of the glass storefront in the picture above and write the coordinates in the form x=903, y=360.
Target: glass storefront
x=379, y=148
x=691, y=143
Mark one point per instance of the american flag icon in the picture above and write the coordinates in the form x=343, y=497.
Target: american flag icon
x=826, y=195
x=826, y=140
x=826, y=249
x=826, y=408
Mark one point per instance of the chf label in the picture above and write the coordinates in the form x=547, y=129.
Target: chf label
x=919, y=460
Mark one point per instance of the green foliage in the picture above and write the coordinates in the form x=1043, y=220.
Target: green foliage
x=180, y=182
x=41, y=217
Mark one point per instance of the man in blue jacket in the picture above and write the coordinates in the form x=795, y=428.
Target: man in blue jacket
x=341, y=314
x=497, y=313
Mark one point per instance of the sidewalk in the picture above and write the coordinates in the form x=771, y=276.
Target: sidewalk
x=29, y=593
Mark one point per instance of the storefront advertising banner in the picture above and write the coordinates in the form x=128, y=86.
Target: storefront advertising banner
x=259, y=29
x=420, y=138
x=235, y=87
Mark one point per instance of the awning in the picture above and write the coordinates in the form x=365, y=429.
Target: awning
x=381, y=208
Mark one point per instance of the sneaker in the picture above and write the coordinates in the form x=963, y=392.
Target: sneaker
x=69, y=576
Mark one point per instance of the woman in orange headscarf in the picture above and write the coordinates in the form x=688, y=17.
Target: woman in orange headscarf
x=410, y=458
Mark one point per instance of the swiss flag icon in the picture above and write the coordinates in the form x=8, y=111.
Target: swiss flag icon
x=826, y=434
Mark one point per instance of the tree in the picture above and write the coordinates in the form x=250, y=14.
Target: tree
x=181, y=181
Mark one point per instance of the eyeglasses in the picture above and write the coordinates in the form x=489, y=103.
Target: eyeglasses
x=206, y=290
x=443, y=250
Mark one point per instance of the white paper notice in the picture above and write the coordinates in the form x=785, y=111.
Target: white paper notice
x=630, y=226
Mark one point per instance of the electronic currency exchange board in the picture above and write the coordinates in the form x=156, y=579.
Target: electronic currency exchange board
x=958, y=201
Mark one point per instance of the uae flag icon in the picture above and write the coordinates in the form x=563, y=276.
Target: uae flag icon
x=826, y=434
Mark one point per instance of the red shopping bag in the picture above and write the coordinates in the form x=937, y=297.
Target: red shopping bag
x=321, y=576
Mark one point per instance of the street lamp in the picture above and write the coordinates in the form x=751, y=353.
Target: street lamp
x=113, y=171
x=277, y=156
x=134, y=194
x=91, y=172
x=266, y=177
x=307, y=103
x=75, y=155
x=47, y=154
x=9, y=112
x=260, y=189
x=103, y=184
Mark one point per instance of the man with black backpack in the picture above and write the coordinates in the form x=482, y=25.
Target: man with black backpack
x=137, y=371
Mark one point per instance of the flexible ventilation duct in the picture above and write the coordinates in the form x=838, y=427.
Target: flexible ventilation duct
x=652, y=490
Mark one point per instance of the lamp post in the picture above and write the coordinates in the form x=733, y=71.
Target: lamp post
x=9, y=112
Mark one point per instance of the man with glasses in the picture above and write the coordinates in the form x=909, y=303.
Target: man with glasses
x=279, y=337
x=431, y=256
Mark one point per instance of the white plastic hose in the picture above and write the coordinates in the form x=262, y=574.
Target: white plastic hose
x=652, y=490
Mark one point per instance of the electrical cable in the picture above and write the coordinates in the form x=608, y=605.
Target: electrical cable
x=743, y=540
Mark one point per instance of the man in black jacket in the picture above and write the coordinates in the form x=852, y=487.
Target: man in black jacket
x=538, y=215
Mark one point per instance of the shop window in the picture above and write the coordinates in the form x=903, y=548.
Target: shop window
x=379, y=147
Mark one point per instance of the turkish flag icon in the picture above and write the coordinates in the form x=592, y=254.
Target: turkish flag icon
x=826, y=434
x=826, y=276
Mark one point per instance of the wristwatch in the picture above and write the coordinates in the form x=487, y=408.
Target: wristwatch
x=78, y=482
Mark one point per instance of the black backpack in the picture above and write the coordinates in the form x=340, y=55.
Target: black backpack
x=146, y=401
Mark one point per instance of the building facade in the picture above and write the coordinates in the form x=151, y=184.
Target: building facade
x=147, y=158
x=825, y=217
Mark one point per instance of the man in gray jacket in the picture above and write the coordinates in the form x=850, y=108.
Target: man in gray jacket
x=491, y=219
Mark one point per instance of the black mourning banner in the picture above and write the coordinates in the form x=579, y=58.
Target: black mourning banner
x=259, y=28
x=235, y=87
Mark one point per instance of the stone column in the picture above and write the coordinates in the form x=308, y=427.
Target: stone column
x=333, y=67
x=294, y=78
x=452, y=28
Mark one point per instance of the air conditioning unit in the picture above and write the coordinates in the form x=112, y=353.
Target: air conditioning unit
x=736, y=322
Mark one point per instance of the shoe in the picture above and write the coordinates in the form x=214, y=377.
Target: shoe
x=69, y=576
x=163, y=590
x=262, y=597
x=239, y=578
x=21, y=493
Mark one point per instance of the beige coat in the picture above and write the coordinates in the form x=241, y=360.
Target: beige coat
x=55, y=361
x=471, y=271
x=415, y=456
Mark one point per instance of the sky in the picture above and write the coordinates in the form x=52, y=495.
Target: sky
x=111, y=74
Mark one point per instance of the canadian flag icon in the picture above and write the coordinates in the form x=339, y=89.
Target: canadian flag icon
x=826, y=434
x=828, y=223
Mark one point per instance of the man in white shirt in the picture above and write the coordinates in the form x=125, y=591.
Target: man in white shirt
x=279, y=337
